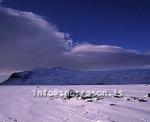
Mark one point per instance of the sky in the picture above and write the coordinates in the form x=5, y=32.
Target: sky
x=78, y=34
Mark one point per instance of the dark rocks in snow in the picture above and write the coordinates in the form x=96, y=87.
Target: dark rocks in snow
x=128, y=99
x=118, y=95
x=89, y=100
x=81, y=96
x=112, y=104
x=86, y=97
x=135, y=99
x=148, y=95
x=141, y=100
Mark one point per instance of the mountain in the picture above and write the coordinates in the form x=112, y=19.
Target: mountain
x=63, y=76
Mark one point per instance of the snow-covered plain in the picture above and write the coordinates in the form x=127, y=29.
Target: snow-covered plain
x=18, y=104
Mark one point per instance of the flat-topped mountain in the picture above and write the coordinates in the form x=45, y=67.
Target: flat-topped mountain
x=64, y=76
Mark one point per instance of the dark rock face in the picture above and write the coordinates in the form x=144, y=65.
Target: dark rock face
x=15, y=76
x=63, y=76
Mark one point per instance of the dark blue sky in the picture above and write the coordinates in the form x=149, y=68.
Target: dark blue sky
x=124, y=23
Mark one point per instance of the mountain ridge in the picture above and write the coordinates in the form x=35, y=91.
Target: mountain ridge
x=65, y=76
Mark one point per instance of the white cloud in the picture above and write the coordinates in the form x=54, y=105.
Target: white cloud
x=29, y=41
x=99, y=48
x=89, y=56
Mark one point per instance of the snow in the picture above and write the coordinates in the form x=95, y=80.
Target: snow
x=18, y=104
x=4, y=76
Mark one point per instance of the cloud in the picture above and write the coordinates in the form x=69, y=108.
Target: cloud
x=29, y=41
x=108, y=57
x=1, y=1
x=84, y=48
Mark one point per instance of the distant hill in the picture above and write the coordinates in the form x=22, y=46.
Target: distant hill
x=63, y=76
